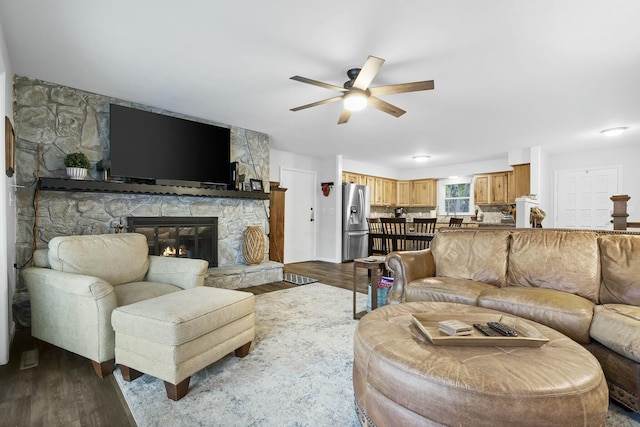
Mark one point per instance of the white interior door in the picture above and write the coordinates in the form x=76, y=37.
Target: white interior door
x=583, y=198
x=299, y=215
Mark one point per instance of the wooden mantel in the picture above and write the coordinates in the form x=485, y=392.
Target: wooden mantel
x=61, y=184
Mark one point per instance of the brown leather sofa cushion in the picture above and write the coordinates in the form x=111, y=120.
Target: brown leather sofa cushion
x=445, y=289
x=565, y=261
x=617, y=327
x=480, y=256
x=620, y=257
x=562, y=311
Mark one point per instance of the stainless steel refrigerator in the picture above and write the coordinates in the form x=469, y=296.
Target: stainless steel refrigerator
x=356, y=207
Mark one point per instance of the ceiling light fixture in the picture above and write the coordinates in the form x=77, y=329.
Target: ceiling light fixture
x=355, y=100
x=614, y=131
x=421, y=158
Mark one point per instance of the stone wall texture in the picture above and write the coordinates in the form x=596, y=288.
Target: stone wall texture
x=53, y=120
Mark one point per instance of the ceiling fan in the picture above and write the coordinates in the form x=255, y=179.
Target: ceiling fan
x=356, y=93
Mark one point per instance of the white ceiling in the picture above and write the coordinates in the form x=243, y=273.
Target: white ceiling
x=508, y=74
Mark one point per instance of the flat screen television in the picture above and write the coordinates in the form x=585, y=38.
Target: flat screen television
x=147, y=146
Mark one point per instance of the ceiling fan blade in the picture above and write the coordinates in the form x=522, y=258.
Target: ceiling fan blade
x=344, y=116
x=317, y=83
x=368, y=72
x=402, y=87
x=385, y=106
x=315, y=104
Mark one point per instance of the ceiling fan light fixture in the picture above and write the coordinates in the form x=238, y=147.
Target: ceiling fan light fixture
x=421, y=158
x=614, y=131
x=355, y=101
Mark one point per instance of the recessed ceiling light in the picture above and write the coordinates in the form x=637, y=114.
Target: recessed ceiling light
x=614, y=131
x=421, y=158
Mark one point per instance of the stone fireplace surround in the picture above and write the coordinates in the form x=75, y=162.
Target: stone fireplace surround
x=52, y=120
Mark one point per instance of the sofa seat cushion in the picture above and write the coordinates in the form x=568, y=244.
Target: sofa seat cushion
x=567, y=313
x=133, y=292
x=617, y=327
x=115, y=258
x=445, y=289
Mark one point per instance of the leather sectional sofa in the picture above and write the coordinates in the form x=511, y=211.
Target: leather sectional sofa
x=584, y=284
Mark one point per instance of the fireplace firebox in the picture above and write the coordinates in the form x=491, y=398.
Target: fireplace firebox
x=184, y=237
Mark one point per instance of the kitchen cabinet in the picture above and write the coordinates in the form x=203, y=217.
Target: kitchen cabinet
x=378, y=192
x=404, y=190
x=490, y=188
x=352, y=177
x=389, y=195
x=425, y=192
x=519, y=182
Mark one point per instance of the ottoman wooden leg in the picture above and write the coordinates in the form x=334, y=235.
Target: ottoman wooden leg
x=244, y=350
x=103, y=369
x=177, y=391
x=129, y=374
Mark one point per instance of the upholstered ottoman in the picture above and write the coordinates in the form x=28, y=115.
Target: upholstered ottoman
x=400, y=378
x=173, y=336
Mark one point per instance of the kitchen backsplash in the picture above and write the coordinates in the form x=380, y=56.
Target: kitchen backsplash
x=490, y=214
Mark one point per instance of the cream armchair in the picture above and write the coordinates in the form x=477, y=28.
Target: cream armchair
x=80, y=280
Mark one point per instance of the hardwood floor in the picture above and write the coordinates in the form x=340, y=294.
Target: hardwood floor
x=63, y=389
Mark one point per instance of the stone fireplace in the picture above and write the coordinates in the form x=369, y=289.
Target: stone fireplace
x=182, y=237
x=52, y=120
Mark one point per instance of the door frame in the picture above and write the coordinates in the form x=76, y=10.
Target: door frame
x=314, y=206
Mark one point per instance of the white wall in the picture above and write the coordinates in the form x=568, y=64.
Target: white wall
x=328, y=226
x=627, y=157
x=7, y=207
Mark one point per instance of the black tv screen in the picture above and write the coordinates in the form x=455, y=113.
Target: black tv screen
x=151, y=146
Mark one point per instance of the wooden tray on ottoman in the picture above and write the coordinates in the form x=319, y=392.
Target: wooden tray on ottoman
x=528, y=335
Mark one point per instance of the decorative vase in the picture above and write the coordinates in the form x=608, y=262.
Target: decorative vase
x=253, y=245
x=77, y=173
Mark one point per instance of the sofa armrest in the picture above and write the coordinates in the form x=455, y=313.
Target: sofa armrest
x=72, y=311
x=407, y=266
x=182, y=272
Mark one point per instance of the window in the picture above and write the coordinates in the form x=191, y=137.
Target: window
x=455, y=196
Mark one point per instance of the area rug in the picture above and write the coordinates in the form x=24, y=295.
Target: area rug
x=298, y=372
x=297, y=279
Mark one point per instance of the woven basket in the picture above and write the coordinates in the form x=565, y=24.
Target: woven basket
x=253, y=245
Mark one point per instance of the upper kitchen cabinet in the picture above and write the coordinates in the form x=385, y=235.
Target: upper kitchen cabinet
x=389, y=196
x=404, y=190
x=491, y=188
x=519, y=182
x=425, y=192
x=352, y=177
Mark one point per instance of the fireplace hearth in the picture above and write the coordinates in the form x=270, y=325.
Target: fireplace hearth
x=184, y=237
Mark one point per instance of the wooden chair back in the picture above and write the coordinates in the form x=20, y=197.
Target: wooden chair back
x=395, y=233
x=376, y=240
x=423, y=226
x=455, y=222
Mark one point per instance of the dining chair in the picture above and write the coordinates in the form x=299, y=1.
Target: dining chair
x=394, y=233
x=376, y=240
x=423, y=226
x=455, y=222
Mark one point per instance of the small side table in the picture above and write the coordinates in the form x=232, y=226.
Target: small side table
x=376, y=270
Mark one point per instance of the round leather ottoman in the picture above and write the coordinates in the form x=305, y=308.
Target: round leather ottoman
x=401, y=379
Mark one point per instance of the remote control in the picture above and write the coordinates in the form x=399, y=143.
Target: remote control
x=486, y=330
x=503, y=329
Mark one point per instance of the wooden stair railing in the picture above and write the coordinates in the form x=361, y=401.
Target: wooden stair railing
x=620, y=213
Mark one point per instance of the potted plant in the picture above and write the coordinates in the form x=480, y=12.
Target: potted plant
x=77, y=165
